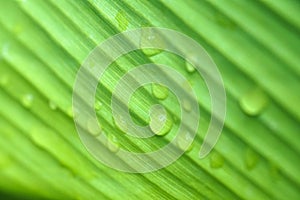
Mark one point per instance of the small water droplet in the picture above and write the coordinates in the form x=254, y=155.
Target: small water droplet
x=121, y=124
x=98, y=105
x=112, y=143
x=254, y=102
x=274, y=171
x=189, y=67
x=94, y=127
x=224, y=21
x=252, y=158
x=175, y=119
x=27, y=100
x=216, y=160
x=187, y=105
x=151, y=38
x=160, y=91
x=122, y=20
x=184, y=140
x=161, y=123
x=52, y=105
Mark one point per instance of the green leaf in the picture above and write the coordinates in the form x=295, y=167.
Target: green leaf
x=255, y=46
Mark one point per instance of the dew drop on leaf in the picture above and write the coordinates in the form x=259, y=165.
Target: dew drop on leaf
x=190, y=68
x=120, y=123
x=184, y=141
x=93, y=127
x=122, y=20
x=158, y=119
x=98, y=105
x=254, y=102
x=252, y=158
x=112, y=143
x=159, y=91
x=27, y=100
x=216, y=160
x=52, y=105
x=151, y=38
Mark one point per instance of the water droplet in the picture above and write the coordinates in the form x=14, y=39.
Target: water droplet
x=94, y=127
x=184, y=140
x=175, y=118
x=187, y=105
x=159, y=91
x=98, y=105
x=52, y=105
x=112, y=143
x=189, y=67
x=121, y=123
x=224, y=21
x=151, y=38
x=27, y=100
x=161, y=123
x=122, y=20
x=254, y=102
x=252, y=158
x=216, y=160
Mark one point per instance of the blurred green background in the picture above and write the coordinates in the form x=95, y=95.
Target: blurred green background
x=256, y=46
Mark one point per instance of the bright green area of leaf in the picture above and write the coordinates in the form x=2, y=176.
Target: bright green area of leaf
x=256, y=47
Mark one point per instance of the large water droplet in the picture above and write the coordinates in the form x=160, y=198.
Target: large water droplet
x=216, y=160
x=160, y=91
x=27, y=100
x=112, y=143
x=94, y=127
x=252, y=158
x=98, y=105
x=52, y=105
x=122, y=20
x=121, y=123
x=254, y=102
x=159, y=118
x=184, y=141
x=151, y=38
